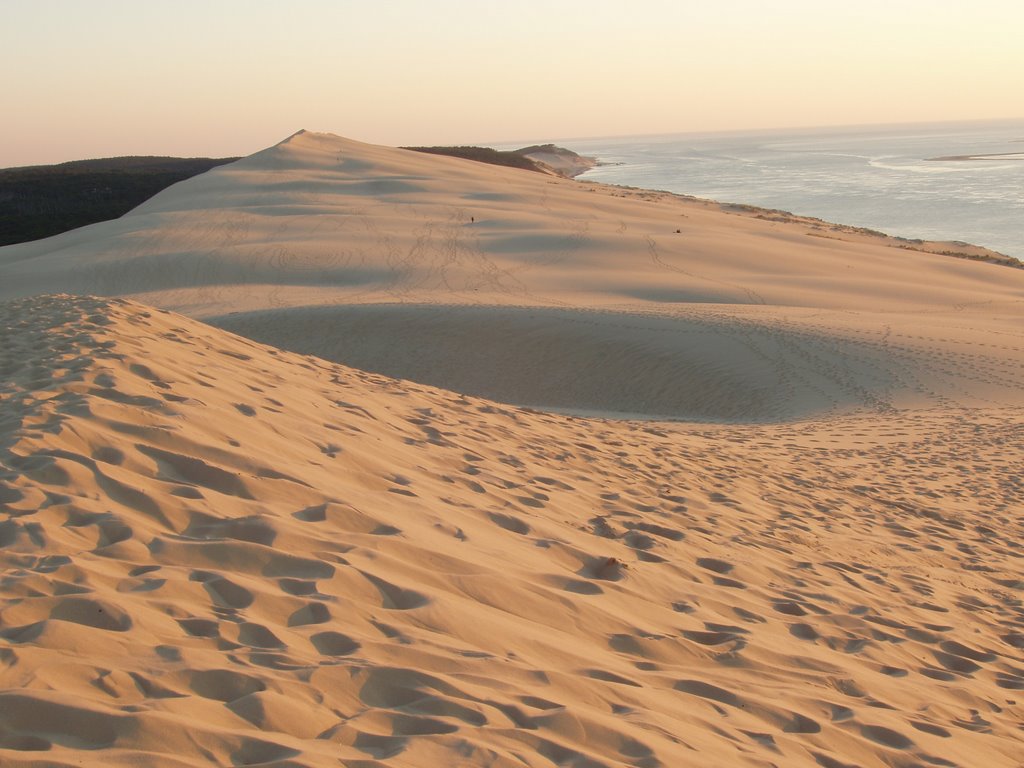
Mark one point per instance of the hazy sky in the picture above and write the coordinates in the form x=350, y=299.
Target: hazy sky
x=92, y=78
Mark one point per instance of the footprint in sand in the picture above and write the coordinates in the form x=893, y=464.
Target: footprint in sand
x=714, y=564
x=396, y=598
x=604, y=569
x=200, y=627
x=225, y=593
x=334, y=644
x=886, y=737
x=92, y=613
x=709, y=691
x=261, y=752
x=224, y=684
x=710, y=638
x=345, y=517
x=311, y=613
x=610, y=677
x=789, y=608
x=509, y=523
x=955, y=663
x=253, y=529
x=257, y=636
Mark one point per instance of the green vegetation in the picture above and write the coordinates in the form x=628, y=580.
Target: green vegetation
x=551, y=149
x=513, y=159
x=44, y=200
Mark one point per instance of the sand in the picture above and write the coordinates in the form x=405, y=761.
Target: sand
x=221, y=552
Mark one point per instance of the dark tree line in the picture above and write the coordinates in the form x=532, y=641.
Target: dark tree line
x=44, y=200
x=513, y=159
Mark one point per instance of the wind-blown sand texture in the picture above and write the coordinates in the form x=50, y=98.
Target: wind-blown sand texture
x=216, y=552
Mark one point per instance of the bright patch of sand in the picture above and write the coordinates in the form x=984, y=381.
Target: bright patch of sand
x=220, y=552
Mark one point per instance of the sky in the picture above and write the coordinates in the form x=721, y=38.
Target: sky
x=101, y=78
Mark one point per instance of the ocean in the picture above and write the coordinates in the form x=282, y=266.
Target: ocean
x=880, y=177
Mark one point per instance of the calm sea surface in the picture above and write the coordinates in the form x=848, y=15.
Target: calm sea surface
x=877, y=177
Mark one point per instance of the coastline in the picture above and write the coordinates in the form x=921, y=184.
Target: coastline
x=990, y=156
x=833, y=230
x=884, y=178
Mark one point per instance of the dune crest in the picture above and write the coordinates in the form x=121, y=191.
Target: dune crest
x=217, y=552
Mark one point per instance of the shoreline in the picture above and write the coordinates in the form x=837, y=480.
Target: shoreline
x=883, y=180
x=990, y=156
x=959, y=249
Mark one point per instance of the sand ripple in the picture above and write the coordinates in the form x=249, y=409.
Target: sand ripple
x=216, y=552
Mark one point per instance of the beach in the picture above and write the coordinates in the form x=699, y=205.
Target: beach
x=909, y=180
x=348, y=455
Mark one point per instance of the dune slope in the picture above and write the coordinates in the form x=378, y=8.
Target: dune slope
x=220, y=553
x=546, y=292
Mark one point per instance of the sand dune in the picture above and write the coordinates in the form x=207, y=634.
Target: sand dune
x=569, y=295
x=219, y=552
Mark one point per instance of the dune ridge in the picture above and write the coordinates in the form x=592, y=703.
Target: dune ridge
x=218, y=552
x=571, y=295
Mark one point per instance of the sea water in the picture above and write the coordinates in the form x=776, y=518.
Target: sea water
x=879, y=177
